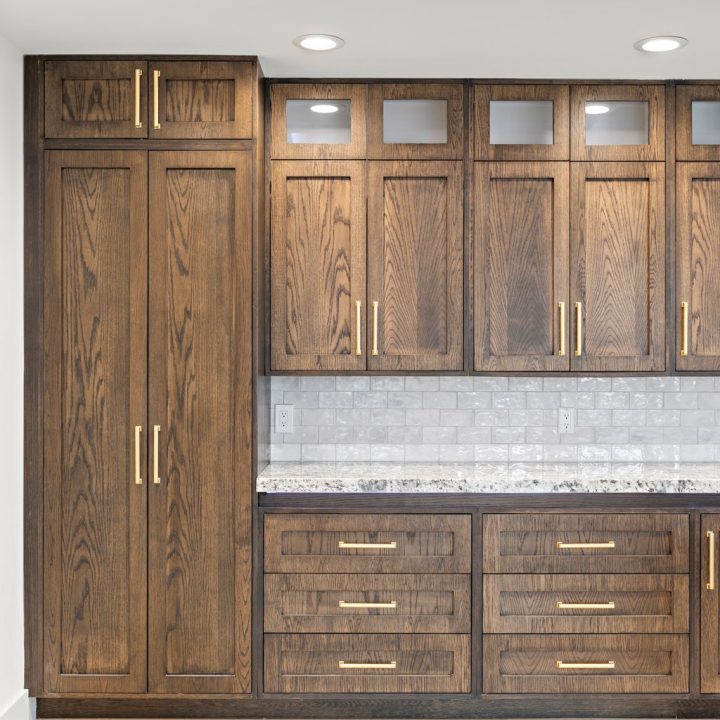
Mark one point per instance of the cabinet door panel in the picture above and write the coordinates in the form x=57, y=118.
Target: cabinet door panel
x=415, y=261
x=709, y=607
x=520, y=266
x=697, y=108
x=200, y=396
x=95, y=511
x=617, y=230
x=318, y=265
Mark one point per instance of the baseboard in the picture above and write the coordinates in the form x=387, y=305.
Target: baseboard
x=21, y=708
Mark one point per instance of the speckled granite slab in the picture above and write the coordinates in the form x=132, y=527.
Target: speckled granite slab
x=388, y=477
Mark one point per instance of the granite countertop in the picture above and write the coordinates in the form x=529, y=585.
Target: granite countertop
x=512, y=478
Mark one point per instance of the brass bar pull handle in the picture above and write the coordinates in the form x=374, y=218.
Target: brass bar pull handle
x=585, y=606
x=358, y=327
x=683, y=329
x=138, y=80
x=585, y=545
x=365, y=546
x=710, y=585
x=561, y=312
x=578, y=329
x=156, y=100
x=156, y=437
x=367, y=666
x=609, y=665
x=138, y=476
x=375, y=328
x=391, y=605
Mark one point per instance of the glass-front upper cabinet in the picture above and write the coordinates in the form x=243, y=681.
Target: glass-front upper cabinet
x=318, y=121
x=415, y=121
x=617, y=122
x=521, y=122
x=697, y=118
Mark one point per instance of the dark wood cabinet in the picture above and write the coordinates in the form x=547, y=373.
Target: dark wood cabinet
x=709, y=604
x=697, y=122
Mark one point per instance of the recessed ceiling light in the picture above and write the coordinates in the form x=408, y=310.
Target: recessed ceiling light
x=324, y=109
x=596, y=109
x=661, y=43
x=319, y=42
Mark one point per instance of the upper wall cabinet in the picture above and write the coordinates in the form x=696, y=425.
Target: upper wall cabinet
x=323, y=121
x=423, y=121
x=697, y=122
x=521, y=122
x=617, y=122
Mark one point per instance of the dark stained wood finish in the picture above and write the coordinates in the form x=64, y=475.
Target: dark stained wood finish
x=528, y=603
x=311, y=603
x=317, y=265
x=684, y=97
x=617, y=247
x=559, y=95
x=521, y=239
x=654, y=95
x=643, y=663
x=207, y=99
x=95, y=394
x=698, y=264
x=709, y=608
x=425, y=663
x=527, y=543
x=201, y=396
x=415, y=262
x=94, y=99
x=451, y=93
x=280, y=148
x=309, y=543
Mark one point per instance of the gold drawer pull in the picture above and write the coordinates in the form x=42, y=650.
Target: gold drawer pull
x=358, y=327
x=684, y=329
x=578, y=329
x=138, y=80
x=710, y=584
x=561, y=312
x=585, y=546
x=367, y=666
x=609, y=665
x=156, y=96
x=372, y=546
x=344, y=604
x=138, y=476
x=585, y=606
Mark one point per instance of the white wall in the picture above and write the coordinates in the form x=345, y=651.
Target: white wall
x=13, y=701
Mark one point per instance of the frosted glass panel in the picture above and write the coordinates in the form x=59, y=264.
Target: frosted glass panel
x=616, y=122
x=705, y=122
x=521, y=122
x=325, y=122
x=415, y=121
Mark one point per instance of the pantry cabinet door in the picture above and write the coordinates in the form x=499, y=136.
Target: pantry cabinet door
x=709, y=605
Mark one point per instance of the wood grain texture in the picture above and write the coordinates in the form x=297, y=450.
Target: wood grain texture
x=654, y=95
x=425, y=663
x=685, y=95
x=94, y=99
x=415, y=261
x=310, y=603
x=201, y=396
x=559, y=95
x=643, y=663
x=709, y=609
x=617, y=248
x=527, y=543
x=207, y=99
x=317, y=265
x=308, y=543
x=521, y=239
x=95, y=393
x=528, y=603
x=452, y=93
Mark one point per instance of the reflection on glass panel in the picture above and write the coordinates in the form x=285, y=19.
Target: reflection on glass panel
x=705, y=122
x=622, y=122
x=521, y=122
x=319, y=121
x=415, y=121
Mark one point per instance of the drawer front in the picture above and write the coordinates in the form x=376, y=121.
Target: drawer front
x=367, y=543
x=585, y=603
x=611, y=543
x=367, y=603
x=367, y=663
x=585, y=664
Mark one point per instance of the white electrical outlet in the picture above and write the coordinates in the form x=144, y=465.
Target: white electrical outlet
x=566, y=420
x=284, y=418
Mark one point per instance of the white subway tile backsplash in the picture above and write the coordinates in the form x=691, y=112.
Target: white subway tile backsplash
x=404, y=399
x=440, y=399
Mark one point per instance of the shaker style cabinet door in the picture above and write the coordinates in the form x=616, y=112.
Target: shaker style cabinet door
x=709, y=605
x=200, y=404
x=520, y=266
x=318, y=265
x=415, y=266
x=617, y=267
x=95, y=424
x=697, y=122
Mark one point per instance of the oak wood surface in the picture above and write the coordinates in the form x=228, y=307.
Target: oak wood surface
x=709, y=608
x=685, y=95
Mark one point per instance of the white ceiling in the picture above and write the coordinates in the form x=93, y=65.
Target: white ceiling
x=388, y=38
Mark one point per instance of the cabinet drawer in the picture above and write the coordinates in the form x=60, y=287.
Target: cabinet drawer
x=367, y=543
x=548, y=543
x=367, y=603
x=367, y=663
x=585, y=664
x=585, y=603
